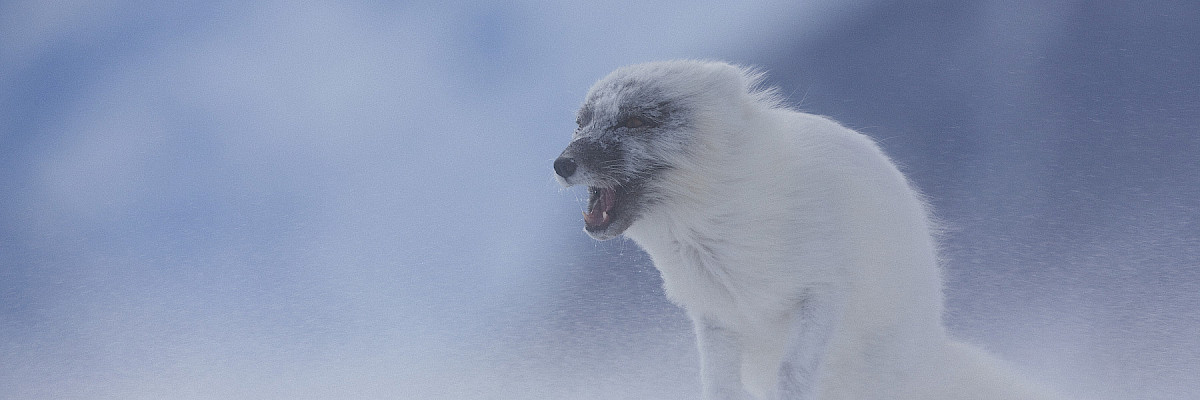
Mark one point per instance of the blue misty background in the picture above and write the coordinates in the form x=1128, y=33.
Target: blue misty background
x=285, y=200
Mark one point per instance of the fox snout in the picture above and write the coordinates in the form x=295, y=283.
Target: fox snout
x=585, y=160
x=565, y=167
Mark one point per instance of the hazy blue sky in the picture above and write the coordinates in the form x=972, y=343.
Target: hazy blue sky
x=354, y=200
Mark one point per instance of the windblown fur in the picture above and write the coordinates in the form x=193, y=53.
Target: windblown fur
x=802, y=255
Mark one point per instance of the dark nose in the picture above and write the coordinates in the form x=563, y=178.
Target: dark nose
x=564, y=167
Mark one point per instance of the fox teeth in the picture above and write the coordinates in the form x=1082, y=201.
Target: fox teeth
x=604, y=216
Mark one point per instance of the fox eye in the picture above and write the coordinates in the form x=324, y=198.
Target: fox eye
x=633, y=122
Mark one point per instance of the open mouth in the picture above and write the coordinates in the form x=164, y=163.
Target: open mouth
x=600, y=207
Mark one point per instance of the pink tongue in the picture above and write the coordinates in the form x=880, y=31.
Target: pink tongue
x=598, y=214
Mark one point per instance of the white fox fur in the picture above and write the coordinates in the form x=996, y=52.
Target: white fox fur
x=803, y=256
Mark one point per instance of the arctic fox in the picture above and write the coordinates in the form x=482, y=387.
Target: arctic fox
x=802, y=255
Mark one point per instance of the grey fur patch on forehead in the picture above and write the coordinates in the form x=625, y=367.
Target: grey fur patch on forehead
x=627, y=85
x=620, y=96
x=682, y=83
